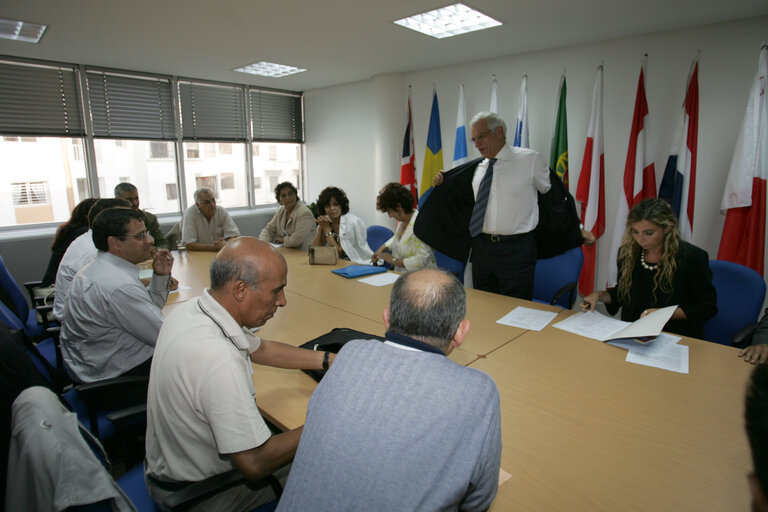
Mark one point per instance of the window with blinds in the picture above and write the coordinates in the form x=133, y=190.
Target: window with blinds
x=128, y=107
x=37, y=99
x=276, y=116
x=211, y=112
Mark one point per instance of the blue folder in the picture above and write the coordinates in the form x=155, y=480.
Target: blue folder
x=353, y=271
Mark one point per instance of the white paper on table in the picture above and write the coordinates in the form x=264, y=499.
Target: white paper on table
x=673, y=358
x=527, y=318
x=382, y=279
x=592, y=325
x=648, y=325
x=662, y=342
x=602, y=328
x=145, y=273
x=180, y=288
x=276, y=246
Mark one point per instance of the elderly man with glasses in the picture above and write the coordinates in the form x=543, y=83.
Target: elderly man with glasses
x=111, y=321
x=205, y=226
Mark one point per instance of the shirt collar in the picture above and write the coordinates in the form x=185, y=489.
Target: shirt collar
x=221, y=317
x=122, y=263
x=412, y=343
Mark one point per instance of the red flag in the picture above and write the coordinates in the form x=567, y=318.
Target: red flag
x=639, y=172
x=408, y=164
x=743, y=239
x=591, y=188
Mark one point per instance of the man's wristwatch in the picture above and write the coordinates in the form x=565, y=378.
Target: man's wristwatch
x=326, y=355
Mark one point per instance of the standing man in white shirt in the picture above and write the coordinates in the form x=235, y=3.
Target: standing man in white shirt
x=205, y=226
x=490, y=206
x=111, y=321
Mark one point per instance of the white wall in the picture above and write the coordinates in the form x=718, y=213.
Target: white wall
x=354, y=131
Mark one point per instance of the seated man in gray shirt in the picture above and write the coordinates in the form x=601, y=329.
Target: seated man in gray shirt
x=111, y=320
x=205, y=226
x=397, y=425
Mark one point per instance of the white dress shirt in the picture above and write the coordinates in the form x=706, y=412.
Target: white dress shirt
x=513, y=203
x=353, y=238
x=79, y=253
x=111, y=321
x=196, y=228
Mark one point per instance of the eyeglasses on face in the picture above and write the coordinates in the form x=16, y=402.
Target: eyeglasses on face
x=481, y=136
x=142, y=235
x=207, y=201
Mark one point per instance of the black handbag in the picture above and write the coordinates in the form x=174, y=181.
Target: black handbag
x=332, y=342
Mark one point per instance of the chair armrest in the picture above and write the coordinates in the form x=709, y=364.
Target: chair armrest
x=195, y=493
x=113, y=394
x=30, y=286
x=46, y=314
x=570, y=287
x=129, y=416
x=743, y=336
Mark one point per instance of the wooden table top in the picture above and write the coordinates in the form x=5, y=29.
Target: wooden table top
x=582, y=429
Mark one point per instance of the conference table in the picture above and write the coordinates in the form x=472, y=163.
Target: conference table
x=582, y=429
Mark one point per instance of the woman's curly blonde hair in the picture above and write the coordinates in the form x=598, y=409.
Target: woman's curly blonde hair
x=658, y=212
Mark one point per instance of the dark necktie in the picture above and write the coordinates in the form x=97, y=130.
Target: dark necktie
x=481, y=202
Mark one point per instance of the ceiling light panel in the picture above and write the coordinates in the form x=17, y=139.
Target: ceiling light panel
x=448, y=21
x=270, y=69
x=17, y=30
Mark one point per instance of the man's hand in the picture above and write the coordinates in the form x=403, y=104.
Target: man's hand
x=755, y=354
x=438, y=178
x=162, y=262
x=220, y=243
x=173, y=284
x=588, y=237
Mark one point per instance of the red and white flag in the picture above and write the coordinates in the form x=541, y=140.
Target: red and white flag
x=408, y=164
x=639, y=173
x=591, y=188
x=678, y=186
x=743, y=239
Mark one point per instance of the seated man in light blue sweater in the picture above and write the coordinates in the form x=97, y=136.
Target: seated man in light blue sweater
x=397, y=425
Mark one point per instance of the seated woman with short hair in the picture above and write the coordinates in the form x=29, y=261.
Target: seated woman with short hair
x=407, y=251
x=656, y=269
x=338, y=228
x=293, y=223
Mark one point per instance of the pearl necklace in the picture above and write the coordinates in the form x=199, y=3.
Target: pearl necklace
x=647, y=266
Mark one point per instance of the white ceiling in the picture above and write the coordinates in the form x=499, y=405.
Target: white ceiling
x=338, y=41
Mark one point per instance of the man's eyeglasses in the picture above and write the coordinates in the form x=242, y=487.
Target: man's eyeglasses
x=481, y=136
x=207, y=201
x=138, y=236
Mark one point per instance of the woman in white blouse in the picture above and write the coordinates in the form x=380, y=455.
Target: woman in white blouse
x=340, y=229
x=407, y=251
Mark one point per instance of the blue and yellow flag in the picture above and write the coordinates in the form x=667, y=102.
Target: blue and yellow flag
x=433, y=155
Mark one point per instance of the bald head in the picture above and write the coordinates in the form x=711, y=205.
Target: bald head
x=427, y=305
x=247, y=278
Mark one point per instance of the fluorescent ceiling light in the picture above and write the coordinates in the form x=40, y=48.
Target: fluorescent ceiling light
x=17, y=30
x=269, y=69
x=448, y=21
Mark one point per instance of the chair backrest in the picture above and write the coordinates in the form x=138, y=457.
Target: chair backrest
x=552, y=274
x=173, y=236
x=19, y=303
x=377, y=235
x=451, y=265
x=740, y=295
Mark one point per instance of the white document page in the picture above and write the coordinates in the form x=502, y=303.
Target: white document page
x=662, y=352
x=600, y=327
x=592, y=325
x=527, y=318
x=382, y=279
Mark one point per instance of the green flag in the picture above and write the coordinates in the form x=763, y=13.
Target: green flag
x=558, y=159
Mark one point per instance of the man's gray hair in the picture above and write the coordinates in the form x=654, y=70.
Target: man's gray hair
x=493, y=121
x=122, y=188
x=225, y=270
x=201, y=191
x=430, y=313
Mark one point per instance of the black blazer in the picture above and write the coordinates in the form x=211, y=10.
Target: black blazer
x=443, y=220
